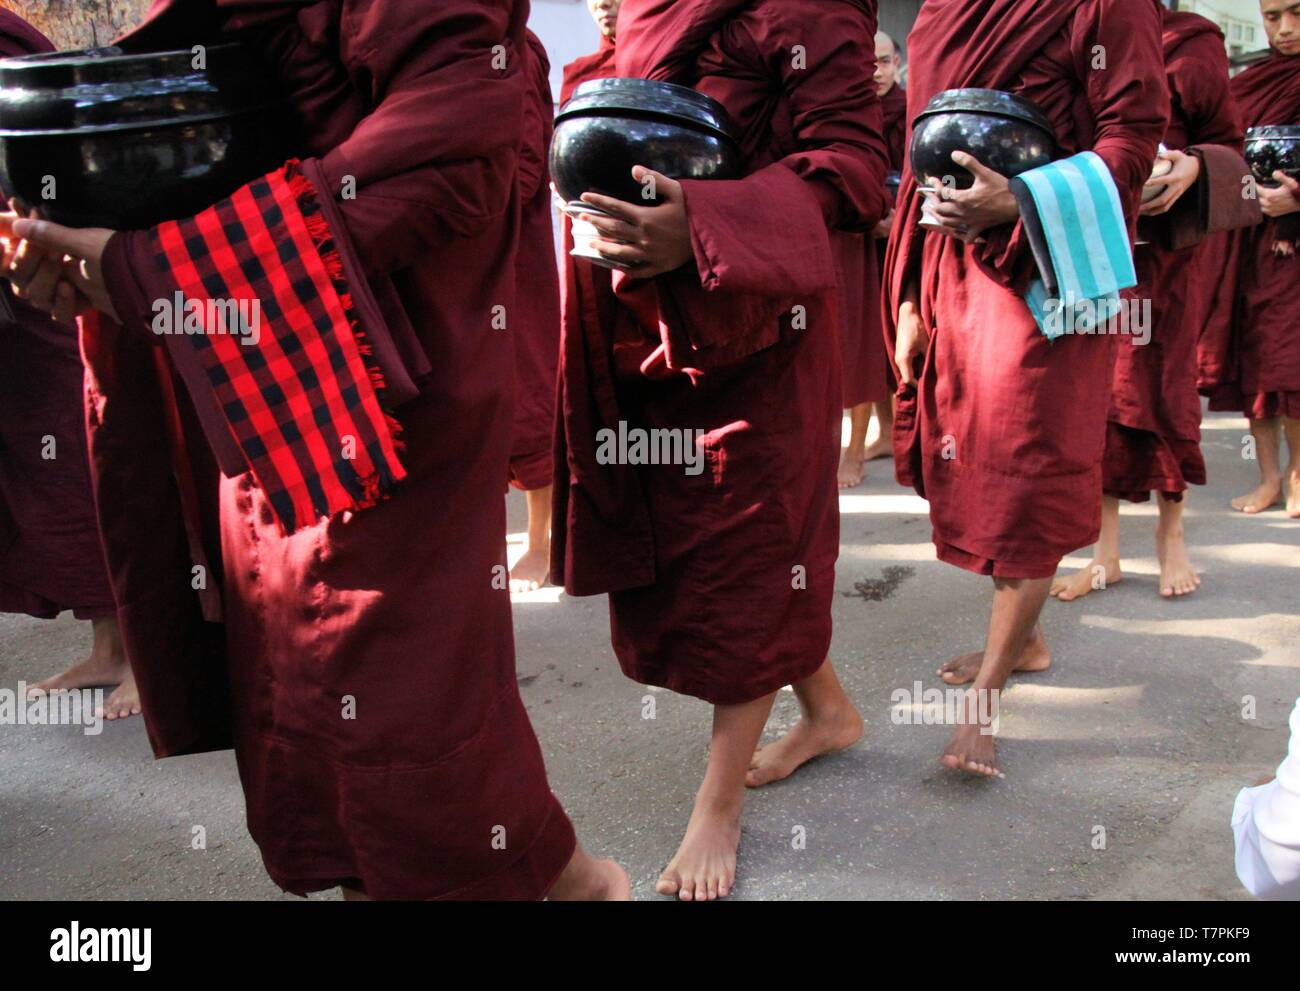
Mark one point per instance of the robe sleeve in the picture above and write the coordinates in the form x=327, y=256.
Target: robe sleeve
x=436, y=157
x=839, y=154
x=1128, y=95
x=1117, y=51
x=1198, y=79
x=1198, y=73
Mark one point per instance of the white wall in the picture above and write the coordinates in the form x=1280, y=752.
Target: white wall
x=567, y=31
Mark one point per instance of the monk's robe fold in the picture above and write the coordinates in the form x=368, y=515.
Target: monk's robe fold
x=1005, y=432
x=860, y=260
x=534, y=325
x=50, y=555
x=375, y=713
x=1154, y=425
x=1249, y=350
x=721, y=580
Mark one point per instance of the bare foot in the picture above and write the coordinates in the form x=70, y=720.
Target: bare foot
x=1293, y=495
x=704, y=867
x=124, y=701
x=972, y=751
x=809, y=738
x=1177, y=576
x=586, y=879
x=1036, y=656
x=91, y=673
x=106, y=664
x=1096, y=577
x=882, y=448
x=1267, y=495
x=852, y=470
x=531, y=571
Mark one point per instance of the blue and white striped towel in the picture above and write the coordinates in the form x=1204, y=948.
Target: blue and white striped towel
x=1084, y=254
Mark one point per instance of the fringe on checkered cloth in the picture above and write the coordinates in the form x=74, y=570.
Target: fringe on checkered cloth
x=304, y=402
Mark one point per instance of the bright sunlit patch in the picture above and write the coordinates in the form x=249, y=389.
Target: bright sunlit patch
x=922, y=551
x=1033, y=711
x=1274, y=555
x=1269, y=640
x=1225, y=423
x=907, y=505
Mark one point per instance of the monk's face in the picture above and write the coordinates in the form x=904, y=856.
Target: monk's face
x=605, y=14
x=887, y=64
x=1282, y=24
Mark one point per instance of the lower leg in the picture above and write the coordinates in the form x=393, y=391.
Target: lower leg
x=883, y=445
x=1017, y=604
x=704, y=866
x=106, y=664
x=851, y=462
x=1177, y=576
x=1268, y=450
x=1292, y=428
x=1103, y=570
x=829, y=723
x=531, y=570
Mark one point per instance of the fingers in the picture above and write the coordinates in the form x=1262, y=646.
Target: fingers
x=1291, y=185
x=973, y=165
x=1159, y=205
x=666, y=190
x=612, y=227
x=617, y=208
x=625, y=254
x=55, y=238
x=39, y=288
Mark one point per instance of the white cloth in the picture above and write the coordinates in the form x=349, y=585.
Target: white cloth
x=1266, y=822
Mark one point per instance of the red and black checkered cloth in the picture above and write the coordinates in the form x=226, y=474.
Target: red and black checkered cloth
x=303, y=403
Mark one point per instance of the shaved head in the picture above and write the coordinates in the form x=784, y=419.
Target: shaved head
x=889, y=61
x=1282, y=24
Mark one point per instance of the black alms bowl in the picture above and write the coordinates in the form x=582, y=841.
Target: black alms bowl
x=98, y=138
x=1273, y=148
x=1007, y=133
x=610, y=125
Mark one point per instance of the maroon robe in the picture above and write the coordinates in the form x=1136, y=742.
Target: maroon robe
x=50, y=555
x=597, y=65
x=893, y=108
x=860, y=260
x=880, y=375
x=1154, y=429
x=1249, y=350
x=535, y=324
x=721, y=582
x=1005, y=432
x=436, y=788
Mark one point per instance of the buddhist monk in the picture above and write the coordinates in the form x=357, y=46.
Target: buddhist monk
x=1000, y=428
x=50, y=557
x=718, y=346
x=605, y=14
x=867, y=382
x=1154, y=427
x=1250, y=348
x=536, y=328
x=346, y=510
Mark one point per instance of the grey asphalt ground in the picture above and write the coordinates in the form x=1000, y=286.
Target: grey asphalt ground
x=1136, y=730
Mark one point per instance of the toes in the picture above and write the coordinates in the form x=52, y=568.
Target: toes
x=687, y=892
x=669, y=883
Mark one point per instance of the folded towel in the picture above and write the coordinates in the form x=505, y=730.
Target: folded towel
x=299, y=391
x=1075, y=224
